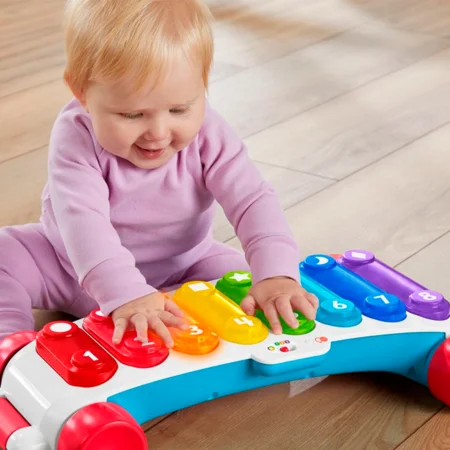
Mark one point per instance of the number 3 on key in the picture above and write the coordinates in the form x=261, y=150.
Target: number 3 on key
x=195, y=330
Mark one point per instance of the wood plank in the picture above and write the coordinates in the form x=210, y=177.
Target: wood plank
x=430, y=266
x=21, y=183
x=434, y=435
x=344, y=411
x=424, y=16
x=251, y=32
x=343, y=135
x=393, y=207
x=280, y=89
x=291, y=187
x=26, y=124
x=31, y=45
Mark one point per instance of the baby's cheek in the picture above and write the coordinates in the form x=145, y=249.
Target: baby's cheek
x=117, y=136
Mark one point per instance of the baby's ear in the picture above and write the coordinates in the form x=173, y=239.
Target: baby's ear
x=79, y=95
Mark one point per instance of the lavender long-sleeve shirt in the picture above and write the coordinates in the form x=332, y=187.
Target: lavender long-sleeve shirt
x=106, y=218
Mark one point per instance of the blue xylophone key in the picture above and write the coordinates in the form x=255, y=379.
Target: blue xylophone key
x=372, y=301
x=333, y=309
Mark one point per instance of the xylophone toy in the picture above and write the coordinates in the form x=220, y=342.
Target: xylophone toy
x=68, y=387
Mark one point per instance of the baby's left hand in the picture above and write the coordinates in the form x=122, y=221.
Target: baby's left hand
x=280, y=296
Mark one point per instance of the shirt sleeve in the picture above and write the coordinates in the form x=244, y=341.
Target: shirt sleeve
x=249, y=202
x=80, y=201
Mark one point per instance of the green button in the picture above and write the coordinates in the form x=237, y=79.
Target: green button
x=304, y=325
x=235, y=285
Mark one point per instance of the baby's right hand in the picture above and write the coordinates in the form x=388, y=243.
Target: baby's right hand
x=155, y=310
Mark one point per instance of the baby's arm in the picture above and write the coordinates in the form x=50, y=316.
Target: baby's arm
x=80, y=200
x=252, y=207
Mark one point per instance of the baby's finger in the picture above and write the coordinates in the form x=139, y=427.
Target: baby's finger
x=120, y=326
x=301, y=303
x=284, y=307
x=140, y=323
x=171, y=321
x=173, y=308
x=248, y=305
x=161, y=330
x=272, y=316
x=313, y=300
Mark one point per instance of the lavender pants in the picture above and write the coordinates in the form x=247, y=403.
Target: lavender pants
x=31, y=276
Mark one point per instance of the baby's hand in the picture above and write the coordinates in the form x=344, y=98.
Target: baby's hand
x=279, y=296
x=155, y=310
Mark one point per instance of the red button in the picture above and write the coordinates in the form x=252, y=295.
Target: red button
x=98, y=316
x=144, y=347
x=130, y=351
x=86, y=359
x=67, y=349
x=60, y=329
x=284, y=349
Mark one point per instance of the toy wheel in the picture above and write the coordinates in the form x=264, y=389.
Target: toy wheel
x=12, y=344
x=102, y=426
x=439, y=372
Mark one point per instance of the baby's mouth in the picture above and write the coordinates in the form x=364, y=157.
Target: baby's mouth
x=150, y=153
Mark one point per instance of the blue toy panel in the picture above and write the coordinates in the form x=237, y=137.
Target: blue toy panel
x=368, y=298
x=405, y=354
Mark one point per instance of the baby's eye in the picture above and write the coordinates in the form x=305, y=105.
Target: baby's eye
x=179, y=110
x=131, y=115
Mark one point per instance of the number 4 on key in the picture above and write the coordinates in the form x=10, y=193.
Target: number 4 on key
x=243, y=321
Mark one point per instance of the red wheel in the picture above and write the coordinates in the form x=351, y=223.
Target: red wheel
x=12, y=344
x=102, y=426
x=439, y=372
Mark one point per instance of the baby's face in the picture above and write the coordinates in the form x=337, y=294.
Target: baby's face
x=148, y=127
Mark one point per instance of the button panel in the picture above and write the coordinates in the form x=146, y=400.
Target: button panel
x=418, y=299
x=339, y=313
x=288, y=356
x=369, y=299
x=130, y=351
x=235, y=285
x=204, y=303
x=282, y=346
x=74, y=355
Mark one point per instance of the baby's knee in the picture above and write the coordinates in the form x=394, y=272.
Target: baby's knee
x=14, y=249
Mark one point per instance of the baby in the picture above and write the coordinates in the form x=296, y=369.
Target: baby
x=137, y=161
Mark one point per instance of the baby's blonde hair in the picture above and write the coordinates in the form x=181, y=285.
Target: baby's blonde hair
x=110, y=39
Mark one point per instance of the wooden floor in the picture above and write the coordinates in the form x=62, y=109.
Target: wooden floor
x=345, y=107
